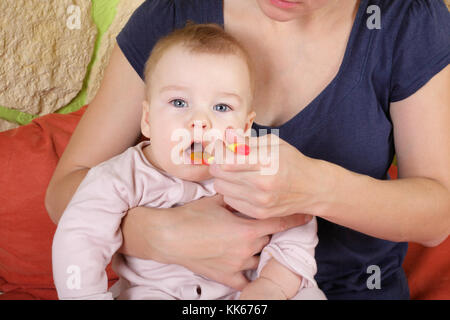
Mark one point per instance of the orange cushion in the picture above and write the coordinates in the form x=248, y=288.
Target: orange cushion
x=28, y=157
x=428, y=271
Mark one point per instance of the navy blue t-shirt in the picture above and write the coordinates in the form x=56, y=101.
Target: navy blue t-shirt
x=348, y=123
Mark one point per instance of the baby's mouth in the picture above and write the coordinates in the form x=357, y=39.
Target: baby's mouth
x=196, y=154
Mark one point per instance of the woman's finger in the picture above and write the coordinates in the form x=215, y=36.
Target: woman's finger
x=260, y=243
x=261, y=152
x=243, y=146
x=222, y=154
x=218, y=199
x=243, y=206
x=243, y=177
x=237, y=167
x=251, y=263
x=233, y=136
x=232, y=189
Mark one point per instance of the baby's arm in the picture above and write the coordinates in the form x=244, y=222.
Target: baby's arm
x=286, y=265
x=275, y=282
x=88, y=235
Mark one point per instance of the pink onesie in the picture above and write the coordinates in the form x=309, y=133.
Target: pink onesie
x=89, y=234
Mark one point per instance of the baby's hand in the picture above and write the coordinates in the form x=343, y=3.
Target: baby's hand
x=262, y=289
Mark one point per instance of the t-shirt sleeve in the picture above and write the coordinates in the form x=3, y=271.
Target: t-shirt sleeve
x=152, y=20
x=422, y=47
x=88, y=235
x=294, y=248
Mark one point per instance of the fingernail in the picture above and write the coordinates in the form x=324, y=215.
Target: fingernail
x=239, y=148
x=242, y=149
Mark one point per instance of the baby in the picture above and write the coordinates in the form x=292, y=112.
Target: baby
x=198, y=79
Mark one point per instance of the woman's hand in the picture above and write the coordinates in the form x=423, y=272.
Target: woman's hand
x=205, y=237
x=285, y=183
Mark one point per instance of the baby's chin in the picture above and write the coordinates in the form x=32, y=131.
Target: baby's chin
x=190, y=172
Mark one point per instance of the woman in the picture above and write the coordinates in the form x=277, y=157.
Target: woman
x=341, y=92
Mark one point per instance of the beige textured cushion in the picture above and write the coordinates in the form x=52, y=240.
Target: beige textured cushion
x=124, y=10
x=45, y=52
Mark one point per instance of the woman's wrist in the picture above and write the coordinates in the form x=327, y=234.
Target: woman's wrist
x=323, y=189
x=137, y=226
x=329, y=194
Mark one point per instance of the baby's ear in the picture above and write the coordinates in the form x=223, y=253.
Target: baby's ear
x=249, y=122
x=145, y=122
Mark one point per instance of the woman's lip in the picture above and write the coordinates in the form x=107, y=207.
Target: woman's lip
x=283, y=4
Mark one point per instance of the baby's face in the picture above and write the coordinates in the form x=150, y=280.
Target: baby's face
x=194, y=98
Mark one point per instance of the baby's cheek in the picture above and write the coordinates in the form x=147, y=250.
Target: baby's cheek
x=160, y=131
x=238, y=121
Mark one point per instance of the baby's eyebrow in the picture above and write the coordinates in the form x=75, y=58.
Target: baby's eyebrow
x=173, y=87
x=230, y=94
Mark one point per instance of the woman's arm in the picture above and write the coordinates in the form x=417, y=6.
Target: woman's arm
x=226, y=247
x=414, y=208
x=109, y=126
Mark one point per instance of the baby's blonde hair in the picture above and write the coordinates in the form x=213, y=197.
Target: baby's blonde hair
x=198, y=38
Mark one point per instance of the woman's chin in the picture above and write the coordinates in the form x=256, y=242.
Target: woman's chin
x=288, y=14
x=275, y=13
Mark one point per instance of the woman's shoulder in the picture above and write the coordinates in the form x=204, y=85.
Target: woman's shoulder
x=409, y=24
x=409, y=42
x=408, y=6
x=399, y=15
x=422, y=45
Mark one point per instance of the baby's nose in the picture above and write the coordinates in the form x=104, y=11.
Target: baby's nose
x=200, y=123
x=199, y=127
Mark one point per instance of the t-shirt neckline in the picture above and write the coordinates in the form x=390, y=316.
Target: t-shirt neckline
x=344, y=63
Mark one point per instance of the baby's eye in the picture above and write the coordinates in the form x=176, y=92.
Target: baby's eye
x=178, y=103
x=221, y=108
